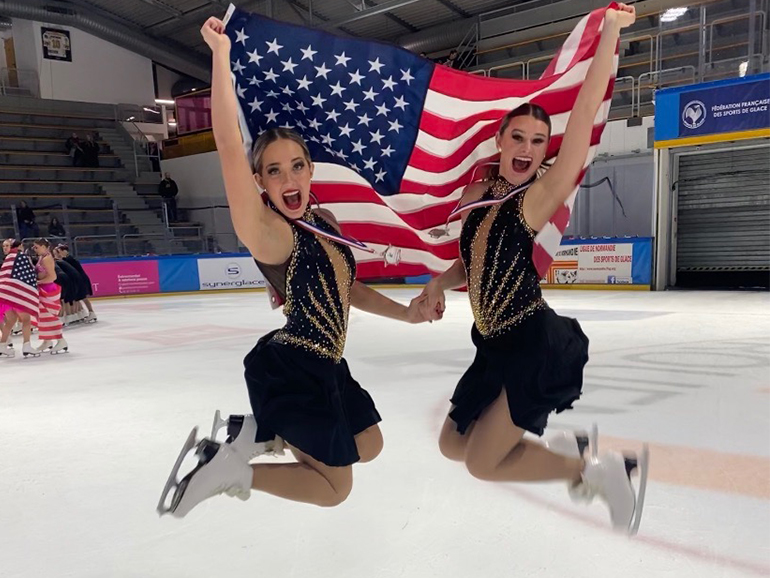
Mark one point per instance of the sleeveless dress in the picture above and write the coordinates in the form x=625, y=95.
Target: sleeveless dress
x=521, y=344
x=83, y=279
x=299, y=384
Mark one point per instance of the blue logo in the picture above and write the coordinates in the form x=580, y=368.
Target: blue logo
x=694, y=114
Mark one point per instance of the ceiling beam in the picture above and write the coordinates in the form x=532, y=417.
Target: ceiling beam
x=391, y=17
x=165, y=7
x=455, y=8
x=369, y=12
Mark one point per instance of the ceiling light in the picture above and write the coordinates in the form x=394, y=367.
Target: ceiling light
x=672, y=14
x=163, y=101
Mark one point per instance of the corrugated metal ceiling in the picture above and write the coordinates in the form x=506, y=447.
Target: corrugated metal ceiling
x=180, y=20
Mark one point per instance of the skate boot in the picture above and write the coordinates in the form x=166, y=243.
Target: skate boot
x=7, y=351
x=90, y=318
x=220, y=470
x=45, y=346
x=17, y=329
x=575, y=445
x=28, y=351
x=241, y=431
x=60, y=347
x=609, y=477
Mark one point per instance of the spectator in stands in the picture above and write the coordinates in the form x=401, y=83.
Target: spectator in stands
x=27, y=225
x=56, y=229
x=168, y=190
x=90, y=152
x=75, y=150
x=452, y=61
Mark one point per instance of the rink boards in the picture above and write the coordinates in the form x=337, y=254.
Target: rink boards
x=612, y=262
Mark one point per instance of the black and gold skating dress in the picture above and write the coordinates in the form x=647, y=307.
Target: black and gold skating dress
x=299, y=384
x=521, y=344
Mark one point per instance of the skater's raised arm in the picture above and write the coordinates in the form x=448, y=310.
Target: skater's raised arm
x=261, y=230
x=548, y=193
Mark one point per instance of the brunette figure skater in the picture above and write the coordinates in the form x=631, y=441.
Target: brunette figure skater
x=529, y=361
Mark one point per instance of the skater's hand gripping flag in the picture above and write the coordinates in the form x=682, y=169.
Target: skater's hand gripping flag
x=396, y=138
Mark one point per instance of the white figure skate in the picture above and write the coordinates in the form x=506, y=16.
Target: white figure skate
x=6, y=351
x=45, y=346
x=609, y=477
x=90, y=318
x=28, y=351
x=241, y=431
x=575, y=445
x=220, y=470
x=61, y=346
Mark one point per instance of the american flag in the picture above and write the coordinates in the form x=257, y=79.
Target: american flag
x=394, y=137
x=18, y=284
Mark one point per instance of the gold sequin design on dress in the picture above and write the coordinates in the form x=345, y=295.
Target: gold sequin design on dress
x=325, y=305
x=496, y=297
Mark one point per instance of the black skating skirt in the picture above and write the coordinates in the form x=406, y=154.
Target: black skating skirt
x=539, y=362
x=311, y=402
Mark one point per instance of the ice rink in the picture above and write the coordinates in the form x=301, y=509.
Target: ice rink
x=87, y=440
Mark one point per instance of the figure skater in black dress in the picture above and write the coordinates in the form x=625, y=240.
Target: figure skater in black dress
x=529, y=361
x=300, y=387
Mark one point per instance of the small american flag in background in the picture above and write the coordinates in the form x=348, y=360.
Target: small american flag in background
x=18, y=284
x=394, y=137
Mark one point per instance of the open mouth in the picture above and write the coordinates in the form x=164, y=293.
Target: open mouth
x=522, y=164
x=293, y=200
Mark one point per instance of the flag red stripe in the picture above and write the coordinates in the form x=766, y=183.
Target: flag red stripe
x=554, y=101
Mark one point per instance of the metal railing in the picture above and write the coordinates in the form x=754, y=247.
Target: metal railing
x=497, y=71
x=704, y=49
x=102, y=215
x=656, y=80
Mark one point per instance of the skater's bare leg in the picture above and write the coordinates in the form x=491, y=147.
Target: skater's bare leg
x=369, y=443
x=308, y=481
x=497, y=452
x=10, y=321
x=26, y=326
x=88, y=305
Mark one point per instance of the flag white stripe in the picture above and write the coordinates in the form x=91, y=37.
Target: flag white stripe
x=571, y=45
x=329, y=174
x=377, y=214
x=443, y=148
x=456, y=109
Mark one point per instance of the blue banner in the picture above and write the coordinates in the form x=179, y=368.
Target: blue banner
x=730, y=108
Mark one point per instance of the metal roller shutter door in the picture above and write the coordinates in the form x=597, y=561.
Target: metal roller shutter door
x=723, y=211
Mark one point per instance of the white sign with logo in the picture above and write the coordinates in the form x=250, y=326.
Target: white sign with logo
x=694, y=114
x=605, y=263
x=229, y=273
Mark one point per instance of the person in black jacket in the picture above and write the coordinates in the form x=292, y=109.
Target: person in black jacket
x=168, y=190
x=90, y=152
x=56, y=229
x=27, y=225
x=75, y=150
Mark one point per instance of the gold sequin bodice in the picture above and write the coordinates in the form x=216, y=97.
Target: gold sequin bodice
x=496, y=249
x=319, y=276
